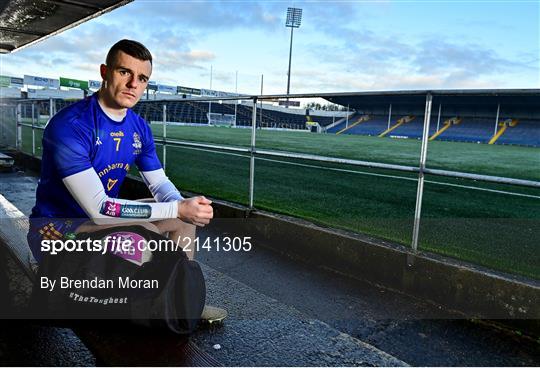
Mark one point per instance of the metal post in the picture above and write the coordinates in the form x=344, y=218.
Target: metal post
x=423, y=158
x=252, y=159
x=2, y=127
x=290, y=57
x=497, y=118
x=50, y=109
x=294, y=19
x=347, y=118
x=18, y=128
x=389, y=115
x=439, y=117
x=235, y=111
x=33, y=130
x=2, y=133
x=260, y=113
x=164, y=136
x=236, y=103
x=210, y=102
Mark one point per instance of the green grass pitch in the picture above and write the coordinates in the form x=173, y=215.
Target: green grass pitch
x=498, y=228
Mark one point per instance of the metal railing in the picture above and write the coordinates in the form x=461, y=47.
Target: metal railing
x=252, y=152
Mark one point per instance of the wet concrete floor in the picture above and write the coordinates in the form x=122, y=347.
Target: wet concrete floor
x=409, y=329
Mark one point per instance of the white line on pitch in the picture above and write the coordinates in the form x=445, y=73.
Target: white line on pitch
x=402, y=178
x=370, y=174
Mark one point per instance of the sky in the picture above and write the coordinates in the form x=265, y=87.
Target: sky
x=340, y=46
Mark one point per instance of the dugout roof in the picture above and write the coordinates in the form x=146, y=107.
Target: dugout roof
x=478, y=98
x=25, y=22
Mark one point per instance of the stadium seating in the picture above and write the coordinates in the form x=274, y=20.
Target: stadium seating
x=41, y=108
x=194, y=112
x=177, y=111
x=197, y=113
x=323, y=120
x=411, y=129
x=470, y=130
x=378, y=124
x=339, y=127
x=526, y=132
x=374, y=126
x=480, y=130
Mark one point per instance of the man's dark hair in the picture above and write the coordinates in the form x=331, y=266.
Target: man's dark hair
x=130, y=47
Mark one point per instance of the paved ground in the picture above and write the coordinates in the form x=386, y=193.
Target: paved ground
x=23, y=342
x=407, y=328
x=284, y=312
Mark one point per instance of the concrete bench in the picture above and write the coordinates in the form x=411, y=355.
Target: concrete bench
x=6, y=162
x=130, y=346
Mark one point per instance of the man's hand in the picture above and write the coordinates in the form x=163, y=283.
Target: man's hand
x=196, y=210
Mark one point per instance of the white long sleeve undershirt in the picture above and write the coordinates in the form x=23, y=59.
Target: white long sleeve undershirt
x=162, y=189
x=87, y=190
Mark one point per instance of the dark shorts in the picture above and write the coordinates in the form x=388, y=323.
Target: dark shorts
x=49, y=228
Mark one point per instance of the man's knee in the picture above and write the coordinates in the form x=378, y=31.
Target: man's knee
x=175, y=226
x=184, y=226
x=89, y=226
x=150, y=226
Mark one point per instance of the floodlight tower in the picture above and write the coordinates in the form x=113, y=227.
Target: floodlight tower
x=294, y=19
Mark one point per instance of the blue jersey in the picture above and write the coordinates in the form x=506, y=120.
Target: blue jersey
x=81, y=136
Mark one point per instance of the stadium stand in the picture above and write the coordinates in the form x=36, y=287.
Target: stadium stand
x=321, y=120
x=243, y=113
x=447, y=124
x=346, y=122
x=197, y=113
x=358, y=119
x=177, y=111
x=525, y=132
x=41, y=108
x=374, y=126
x=468, y=125
x=469, y=130
x=282, y=119
x=324, y=120
x=411, y=127
x=60, y=104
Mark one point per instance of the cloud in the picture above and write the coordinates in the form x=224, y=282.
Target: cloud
x=225, y=78
x=362, y=59
x=175, y=60
x=91, y=68
x=413, y=60
x=200, y=55
x=59, y=61
x=434, y=55
x=485, y=24
x=341, y=80
x=74, y=47
x=78, y=50
x=363, y=50
x=169, y=39
x=342, y=45
x=188, y=15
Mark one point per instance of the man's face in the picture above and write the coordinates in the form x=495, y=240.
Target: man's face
x=126, y=80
